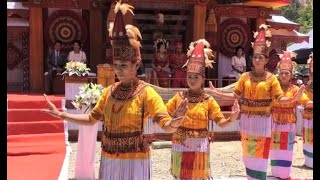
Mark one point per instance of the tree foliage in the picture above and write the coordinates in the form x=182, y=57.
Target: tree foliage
x=305, y=18
x=301, y=14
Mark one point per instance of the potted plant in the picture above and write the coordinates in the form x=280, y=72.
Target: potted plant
x=88, y=97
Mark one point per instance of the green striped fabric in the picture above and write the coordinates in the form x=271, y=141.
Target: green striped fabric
x=308, y=154
x=256, y=174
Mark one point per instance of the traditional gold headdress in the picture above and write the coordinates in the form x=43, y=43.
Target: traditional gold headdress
x=286, y=62
x=124, y=38
x=262, y=40
x=200, y=56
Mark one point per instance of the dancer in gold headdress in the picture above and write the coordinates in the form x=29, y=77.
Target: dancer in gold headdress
x=124, y=108
x=256, y=90
x=190, y=143
x=284, y=120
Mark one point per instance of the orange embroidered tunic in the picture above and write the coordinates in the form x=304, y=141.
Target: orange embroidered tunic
x=125, y=118
x=285, y=113
x=200, y=110
x=308, y=112
x=256, y=94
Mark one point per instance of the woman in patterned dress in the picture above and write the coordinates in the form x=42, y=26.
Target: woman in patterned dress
x=256, y=90
x=160, y=63
x=284, y=120
x=190, y=143
x=308, y=120
x=177, y=60
x=124, y=108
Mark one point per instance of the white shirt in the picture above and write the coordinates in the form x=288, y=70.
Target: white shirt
x=239, y=63
x=79, y=57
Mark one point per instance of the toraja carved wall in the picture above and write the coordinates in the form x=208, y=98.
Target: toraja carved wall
x=66, y=26
x=17, y=52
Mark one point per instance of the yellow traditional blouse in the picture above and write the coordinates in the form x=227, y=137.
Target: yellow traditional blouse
x=124, y=114
x=308, y=112
x=201, y=109
x=256, y=94
x=285, y=113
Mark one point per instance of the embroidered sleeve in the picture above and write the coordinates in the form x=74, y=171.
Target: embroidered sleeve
x=156, y=107
x=304, y=99
x=215, y=113
x=97, y=112
x=172, y=104
x=238, y=90
x=276, y=91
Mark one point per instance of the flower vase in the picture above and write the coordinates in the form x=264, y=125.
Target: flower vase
x=86, y=151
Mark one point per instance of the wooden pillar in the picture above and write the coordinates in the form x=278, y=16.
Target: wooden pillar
x=260, y=21
x=36, y=50
x=199, y=22
x=97, y=49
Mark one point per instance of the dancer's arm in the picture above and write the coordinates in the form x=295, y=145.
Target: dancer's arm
x=158, y=110
x=229, y=96
x=216, y=115
x=82, y=119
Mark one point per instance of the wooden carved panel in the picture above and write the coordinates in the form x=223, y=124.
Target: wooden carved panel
x=14, y=56
x=233, y=33
x=66, y=26
x=241, y=11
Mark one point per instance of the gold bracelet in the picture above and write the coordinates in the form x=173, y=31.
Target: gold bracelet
x=172, y=126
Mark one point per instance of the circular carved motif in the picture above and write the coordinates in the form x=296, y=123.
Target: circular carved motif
x=66, y=26
x=234, y=33
x=14, y=56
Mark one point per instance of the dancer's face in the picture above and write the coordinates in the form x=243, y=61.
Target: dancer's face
x=259, y=61
x=285, y=76
x=125, y=70
x=195, y=81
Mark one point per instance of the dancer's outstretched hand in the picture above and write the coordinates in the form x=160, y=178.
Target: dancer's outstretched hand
x=235, y=110
x=53, y=110
x=236, y=107
x=182, y=108
x=213, y=90
x=298, y=95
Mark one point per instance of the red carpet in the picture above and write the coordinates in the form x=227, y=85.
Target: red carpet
x=36, y=141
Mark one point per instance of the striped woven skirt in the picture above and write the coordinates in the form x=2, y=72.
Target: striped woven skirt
x=308, y=142
x=255, y=139
x=190, y=159
x=281, y=153
x=124, y=169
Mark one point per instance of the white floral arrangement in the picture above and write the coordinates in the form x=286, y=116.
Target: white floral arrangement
x=77, y=68
x=89, y=95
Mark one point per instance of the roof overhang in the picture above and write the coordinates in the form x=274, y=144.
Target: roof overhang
x=268, y=3
x=280, y=22
x=288, y=36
